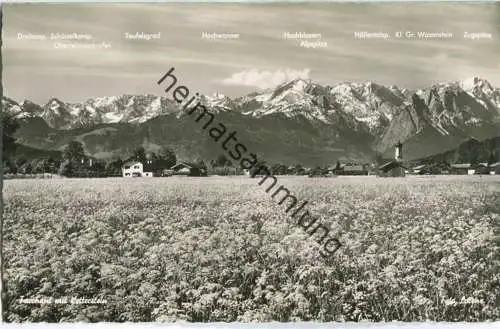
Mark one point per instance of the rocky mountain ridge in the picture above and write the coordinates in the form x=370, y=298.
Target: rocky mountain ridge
x=366, y=114
x=369, y=103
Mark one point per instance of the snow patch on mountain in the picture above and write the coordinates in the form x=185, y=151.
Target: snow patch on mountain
x=290, y=99
x=112, y=117
x=104, y=101
x=468, y=84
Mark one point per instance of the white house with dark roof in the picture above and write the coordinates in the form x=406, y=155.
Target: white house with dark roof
x=135, y=169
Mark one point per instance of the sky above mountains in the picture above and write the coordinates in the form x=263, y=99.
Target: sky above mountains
x=259, y=58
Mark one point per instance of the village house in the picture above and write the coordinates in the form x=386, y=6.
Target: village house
x=291, y=170
x=430, y=169
x=331, y=170
x=135, y=169
x=419, y=170
x=462, y=169
x=494, y=168
x=392, y=169
x=482, y=169
x=224, y=171
x=167, y=172
x=355, y=170
x=306, y=171
x=188, y=169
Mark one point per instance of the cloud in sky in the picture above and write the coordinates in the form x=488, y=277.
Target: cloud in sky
x=260, y=58
x=265, y=79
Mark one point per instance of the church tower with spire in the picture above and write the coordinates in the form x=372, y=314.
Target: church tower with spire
x=398, y=152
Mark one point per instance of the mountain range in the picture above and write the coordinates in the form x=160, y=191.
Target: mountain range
x=297, y=122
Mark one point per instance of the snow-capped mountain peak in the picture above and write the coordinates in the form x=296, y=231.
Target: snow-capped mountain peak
x=482, y=90
x=470, y=84
x=55, y=105
x=366, y=104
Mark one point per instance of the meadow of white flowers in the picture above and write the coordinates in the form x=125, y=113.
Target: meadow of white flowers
x=220, y=249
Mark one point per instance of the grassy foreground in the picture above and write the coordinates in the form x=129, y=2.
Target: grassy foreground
x=220, y=249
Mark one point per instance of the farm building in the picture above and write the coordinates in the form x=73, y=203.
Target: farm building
x=224, y=171
x=292, y=170
x=431, y=169
x=300, y=171
x=188, y=169
x=332, y=170
x=135, y=169
x=482, y=169
x=462, y=169
x=392, y=169
x=167, y=172
x=352, y=170
x=494, y=168
x=419, y=170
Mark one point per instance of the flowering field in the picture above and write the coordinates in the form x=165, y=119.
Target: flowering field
x=220, y=249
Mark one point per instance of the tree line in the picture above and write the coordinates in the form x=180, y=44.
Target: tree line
x=73, y=162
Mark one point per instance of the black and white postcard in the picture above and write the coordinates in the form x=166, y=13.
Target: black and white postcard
x=237, y=162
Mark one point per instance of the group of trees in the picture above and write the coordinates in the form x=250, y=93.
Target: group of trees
x=73, y=161
x=221, y=161
x=474, y=152
x=22, y=165
x=9, y=127
x=223, y=166
x=76, y=163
